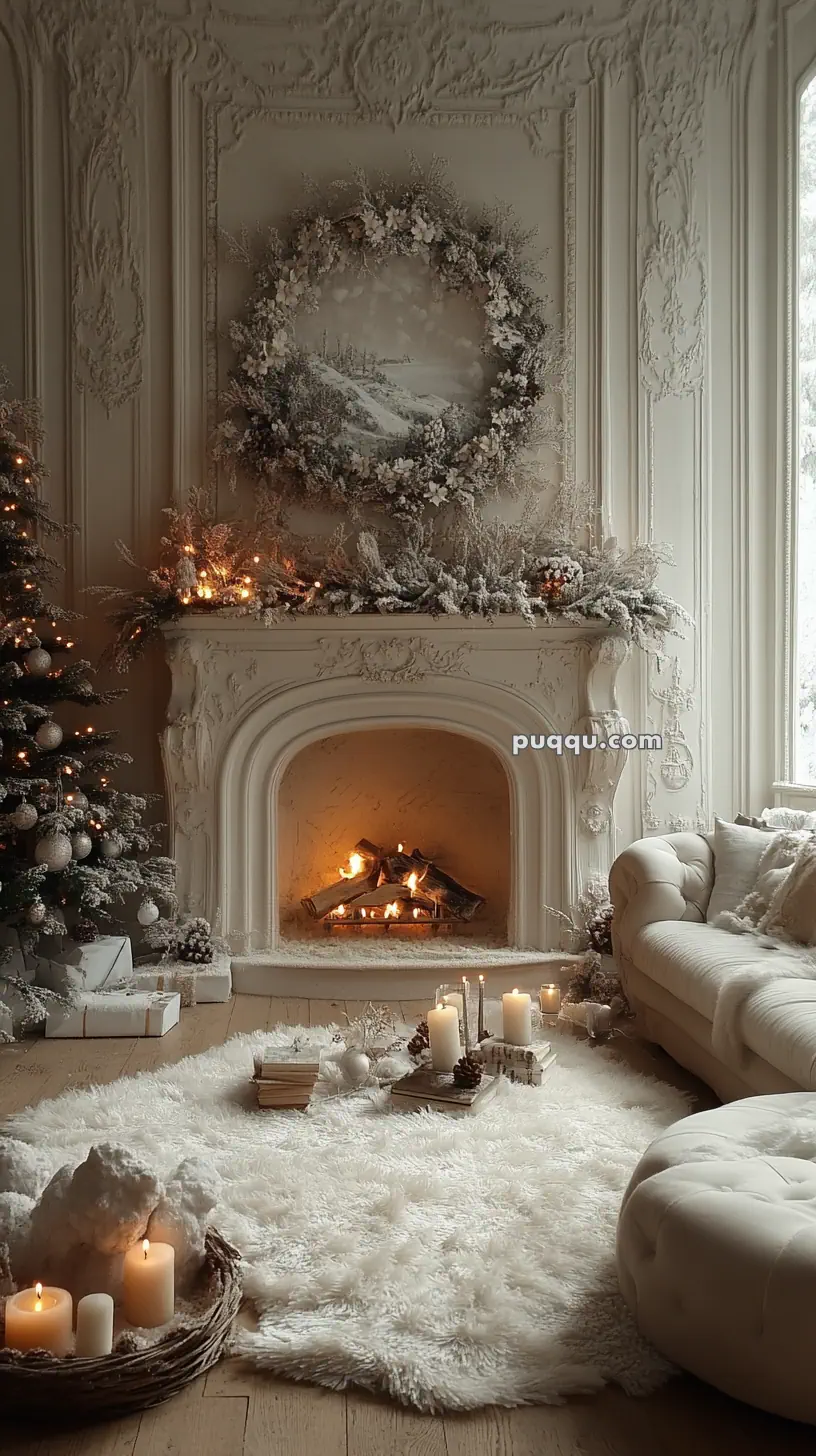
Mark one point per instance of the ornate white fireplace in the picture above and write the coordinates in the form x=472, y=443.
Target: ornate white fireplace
x=247, y=700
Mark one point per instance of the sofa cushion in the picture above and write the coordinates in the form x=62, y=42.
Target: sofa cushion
x=738, y=850
x=778, y=1020
x=693, y=961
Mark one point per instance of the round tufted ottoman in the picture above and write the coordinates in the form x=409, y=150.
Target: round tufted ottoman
x=716, y=1249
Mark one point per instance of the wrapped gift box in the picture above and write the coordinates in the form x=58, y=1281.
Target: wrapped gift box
x=116, y=1013
x=210, y=983
x=83, y=967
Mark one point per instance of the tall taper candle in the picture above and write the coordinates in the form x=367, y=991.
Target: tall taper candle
x=466, y=1015
x=481, y=1027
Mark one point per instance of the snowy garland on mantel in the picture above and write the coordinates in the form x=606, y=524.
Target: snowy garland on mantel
x=473, y=568
x=285, y=416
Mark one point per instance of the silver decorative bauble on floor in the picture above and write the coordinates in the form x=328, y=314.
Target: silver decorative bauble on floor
x=24, y=816
x=355, y=1066
x=38, y=661
x=81, y=844
x=111, y=846
x=147, y=913
x=53, y=851
x=49, y=735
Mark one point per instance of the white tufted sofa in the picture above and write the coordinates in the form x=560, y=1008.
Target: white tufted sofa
x=716, y=1249
x=674, y=966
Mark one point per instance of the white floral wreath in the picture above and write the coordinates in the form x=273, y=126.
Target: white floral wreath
x=283, y=421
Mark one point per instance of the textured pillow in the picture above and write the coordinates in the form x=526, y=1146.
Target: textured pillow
x=792, y=911
x=774, y=867
x=737, y=852
x=753, y=822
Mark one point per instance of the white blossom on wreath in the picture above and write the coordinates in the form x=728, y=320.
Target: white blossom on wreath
x=284, y=419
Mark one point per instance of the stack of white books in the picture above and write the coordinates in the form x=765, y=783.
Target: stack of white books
x=285, y=1076
x=525, y=1064
x=437, y=1092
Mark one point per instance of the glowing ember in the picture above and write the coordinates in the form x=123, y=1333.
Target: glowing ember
x=412, y=881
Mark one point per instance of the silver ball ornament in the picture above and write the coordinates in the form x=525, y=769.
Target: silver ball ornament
x=111, y=846
x=147, y=913
x=76, y=799
x=53, y=851
x=24, y=816
x=35, y=914
x=49, y=735
x=81, y=844
x=38, y=661
x=355, y=1066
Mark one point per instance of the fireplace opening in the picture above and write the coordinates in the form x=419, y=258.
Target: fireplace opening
x=391, y=891
x=394, y=834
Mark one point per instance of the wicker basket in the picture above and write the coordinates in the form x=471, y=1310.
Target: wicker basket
x=40, y=1386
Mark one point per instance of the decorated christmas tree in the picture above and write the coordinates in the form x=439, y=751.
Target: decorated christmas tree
x=75, y=857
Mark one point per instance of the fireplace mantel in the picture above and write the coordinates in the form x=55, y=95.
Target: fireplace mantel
x=246, y=698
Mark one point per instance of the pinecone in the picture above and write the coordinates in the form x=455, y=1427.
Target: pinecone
x=194, y=944
x=467, y=1072
x=420, y=1041
x=84, y=932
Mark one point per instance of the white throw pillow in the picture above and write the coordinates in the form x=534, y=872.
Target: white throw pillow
x=774, y=867
x=792, y=912
x=737, y=852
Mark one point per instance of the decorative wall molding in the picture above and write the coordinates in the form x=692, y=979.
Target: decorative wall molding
x=389, y=659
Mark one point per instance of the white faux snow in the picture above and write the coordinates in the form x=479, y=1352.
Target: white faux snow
x=444, y=953
x=452, y=1263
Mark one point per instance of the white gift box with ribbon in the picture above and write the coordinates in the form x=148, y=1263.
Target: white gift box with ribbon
x=115, y=1013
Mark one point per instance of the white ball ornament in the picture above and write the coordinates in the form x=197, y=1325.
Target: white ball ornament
x=111, y=846
x=24, y=816
x=355, y=1066
x=148, y=913
x=81, y=844
x=35, y=914
x=49, y=735
x=38, y=661
x=53, y=851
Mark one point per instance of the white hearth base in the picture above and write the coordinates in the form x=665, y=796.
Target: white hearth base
x=391, y=974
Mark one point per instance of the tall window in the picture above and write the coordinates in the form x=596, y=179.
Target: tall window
x=804, y=765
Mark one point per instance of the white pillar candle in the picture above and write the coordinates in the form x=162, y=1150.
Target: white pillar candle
x=549, y=999
x=517, y=1018
x=94, y=1326
x=40, y=1319
x=148, y=1285
x=443, y=1032
x=454, y=998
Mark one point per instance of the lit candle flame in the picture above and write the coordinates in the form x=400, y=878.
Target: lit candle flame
x=515, y=990
x=440, y=1006
x=146, y=1246
x=341, y=910
x=38, y=1302
x=481, y=978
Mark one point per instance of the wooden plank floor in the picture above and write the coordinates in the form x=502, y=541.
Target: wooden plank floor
x=235, y=1413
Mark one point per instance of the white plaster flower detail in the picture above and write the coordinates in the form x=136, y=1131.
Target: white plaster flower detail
x=438, y=494
x=277, y=346
x=423, y=230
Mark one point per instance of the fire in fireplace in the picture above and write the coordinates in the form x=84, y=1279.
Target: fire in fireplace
x=384, y=890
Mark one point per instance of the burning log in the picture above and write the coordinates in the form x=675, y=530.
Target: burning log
x=383, y=895
x=455, y=898
x=322, y=902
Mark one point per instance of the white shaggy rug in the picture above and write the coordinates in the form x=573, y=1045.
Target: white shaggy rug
x=452, y=1263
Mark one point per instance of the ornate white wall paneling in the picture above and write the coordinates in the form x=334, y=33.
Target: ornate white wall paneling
x=624, y=129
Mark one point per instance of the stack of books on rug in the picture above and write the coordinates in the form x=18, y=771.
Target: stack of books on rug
x=525, y=1064
x=438, y=1092
x=285, y=1075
